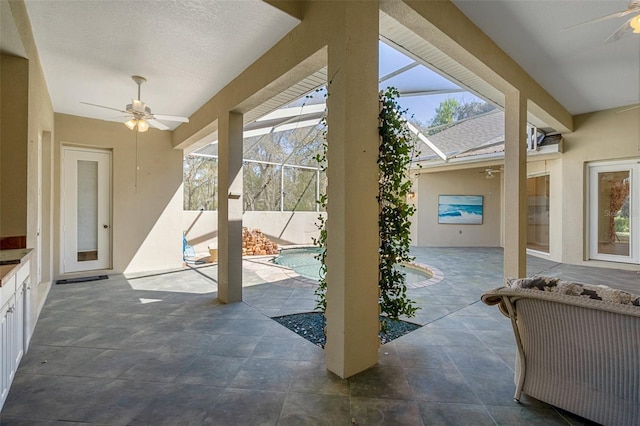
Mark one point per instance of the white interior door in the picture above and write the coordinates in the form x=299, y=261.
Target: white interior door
x=613, y=229
x=86, y=209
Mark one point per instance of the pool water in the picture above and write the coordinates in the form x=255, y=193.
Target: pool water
x=303, y=262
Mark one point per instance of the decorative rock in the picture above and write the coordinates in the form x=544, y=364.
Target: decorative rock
x=254, y=242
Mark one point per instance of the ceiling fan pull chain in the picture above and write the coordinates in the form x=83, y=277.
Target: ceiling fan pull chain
x=135, y=184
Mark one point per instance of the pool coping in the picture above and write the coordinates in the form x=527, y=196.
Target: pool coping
x=436, y=274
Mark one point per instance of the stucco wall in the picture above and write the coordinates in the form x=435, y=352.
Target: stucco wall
x=458, y=182
x=38, y=115
x=599, y=136
x=14, y=82
x=147, y=217
x=201, y=227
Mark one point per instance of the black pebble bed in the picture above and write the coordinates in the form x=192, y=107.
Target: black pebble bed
x=310, y=325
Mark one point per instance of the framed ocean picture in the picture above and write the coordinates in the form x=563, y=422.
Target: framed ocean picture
x=460, y=209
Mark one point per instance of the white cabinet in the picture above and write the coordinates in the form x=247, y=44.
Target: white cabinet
x=14, y=316
x=6, y=347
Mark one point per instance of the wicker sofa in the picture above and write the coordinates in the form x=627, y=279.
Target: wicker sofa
x=578, y=346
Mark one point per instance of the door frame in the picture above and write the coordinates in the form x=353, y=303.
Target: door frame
x=633, y=167
x=101, y=263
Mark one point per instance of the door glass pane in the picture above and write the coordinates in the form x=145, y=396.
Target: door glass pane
x=538, y=213
x=87, y=210
x=613, y=213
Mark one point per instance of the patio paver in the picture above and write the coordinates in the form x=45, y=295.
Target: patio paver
x=162, y=350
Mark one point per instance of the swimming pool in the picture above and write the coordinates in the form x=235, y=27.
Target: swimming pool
x=303, y=262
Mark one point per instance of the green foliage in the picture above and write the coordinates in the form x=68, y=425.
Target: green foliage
x=321, y=291
x=471, y=109
x=397, y=149
x=621, y=224
x=321, y=159
x=450, y=111
x=445, y=112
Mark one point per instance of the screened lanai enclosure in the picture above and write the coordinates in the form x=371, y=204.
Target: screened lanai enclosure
x=282, y=175
x=280, y=162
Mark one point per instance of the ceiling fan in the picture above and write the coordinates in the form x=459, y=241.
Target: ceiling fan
x=140, y=115
x=632, y=23
x=490, y=173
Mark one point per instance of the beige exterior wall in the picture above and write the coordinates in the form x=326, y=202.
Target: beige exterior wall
x=283, y=228
x=592, y=141
x=458, y=182
x=38, y=116
x=599, y=136
x=14, y=116
x=147, y=218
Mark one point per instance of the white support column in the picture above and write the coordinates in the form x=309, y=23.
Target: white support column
x=230, y=207
x=352, y=211
x=515, y=185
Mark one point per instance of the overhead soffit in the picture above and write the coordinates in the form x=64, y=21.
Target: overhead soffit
x=413, y=45
x=410, y=44
x=307, y=85
x=312, y=82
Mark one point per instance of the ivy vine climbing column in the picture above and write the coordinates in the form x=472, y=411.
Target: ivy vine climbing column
x=397, y=150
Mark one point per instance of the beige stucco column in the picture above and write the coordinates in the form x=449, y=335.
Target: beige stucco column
x=230, y=207
x=515, y=185
x=352, y=242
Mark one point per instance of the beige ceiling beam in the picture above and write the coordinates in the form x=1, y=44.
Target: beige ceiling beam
x=443, y=25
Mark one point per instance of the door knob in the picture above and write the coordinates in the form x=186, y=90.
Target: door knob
x=105, y=226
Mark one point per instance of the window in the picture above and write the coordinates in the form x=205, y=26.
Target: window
x=538, y=213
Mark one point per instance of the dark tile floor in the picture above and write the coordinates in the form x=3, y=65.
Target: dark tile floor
x=161, y=350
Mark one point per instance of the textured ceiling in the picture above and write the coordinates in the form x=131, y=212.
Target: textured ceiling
x=187, y=50
x=573, y=65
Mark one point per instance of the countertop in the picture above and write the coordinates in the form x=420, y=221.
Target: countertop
x=10, y=261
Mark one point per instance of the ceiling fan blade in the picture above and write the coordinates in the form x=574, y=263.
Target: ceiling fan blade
x=606, y=18
x=157, y=124
x=617, y=34
x=171, y=118
x=105, y=107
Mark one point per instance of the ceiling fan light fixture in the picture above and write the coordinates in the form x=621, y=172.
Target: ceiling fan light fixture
x=635, y=24
x=140, y=112
x=131, y=124
x=143, y=126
